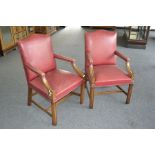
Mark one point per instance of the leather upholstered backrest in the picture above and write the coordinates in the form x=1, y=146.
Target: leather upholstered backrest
x=101, y=44
x=37, y=51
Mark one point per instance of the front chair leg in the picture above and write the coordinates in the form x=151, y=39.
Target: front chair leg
x=54, y=113
x=82, y=92
x=129, y=93
x=29, y=103
x=91, y=97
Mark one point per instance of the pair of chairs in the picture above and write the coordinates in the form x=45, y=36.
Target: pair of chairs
x=55, y=84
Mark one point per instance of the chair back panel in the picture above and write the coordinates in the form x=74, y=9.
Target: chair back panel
x=101, y=44
x=37, y=51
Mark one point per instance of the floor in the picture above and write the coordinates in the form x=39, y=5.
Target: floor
x=110, y=111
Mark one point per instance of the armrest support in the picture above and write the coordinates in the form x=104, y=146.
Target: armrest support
x=91, y=68
x=72, y=61
x=131, y=74
x=122, y=56
x=126, y=59
x=91, y=75
x=90, y=60
x=43, y=79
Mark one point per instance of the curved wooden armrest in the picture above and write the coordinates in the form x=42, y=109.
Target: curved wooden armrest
x=126, y=59
x=61, y=57
x=72, y=61
x=43, y=79
x=78, y=71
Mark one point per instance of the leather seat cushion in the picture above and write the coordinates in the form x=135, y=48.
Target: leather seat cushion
x=61, y=81
x=109, y=75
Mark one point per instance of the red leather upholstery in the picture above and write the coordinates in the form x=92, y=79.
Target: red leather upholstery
x=109, y=75
x=38, y=52
x=61, y=81
x=101, y=44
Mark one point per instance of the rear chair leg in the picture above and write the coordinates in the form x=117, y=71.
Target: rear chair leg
x=129, y=93
x=54, y=113
x=82, y=92
x=91, y=98
x=29, y=103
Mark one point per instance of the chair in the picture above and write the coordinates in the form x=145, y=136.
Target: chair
x=100, y=65
x=44, y=77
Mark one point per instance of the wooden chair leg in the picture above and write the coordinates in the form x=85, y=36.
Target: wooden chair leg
x=54, y=113
x=29, y=103
x=91, y=98
x=129, y=93
x=82, y=92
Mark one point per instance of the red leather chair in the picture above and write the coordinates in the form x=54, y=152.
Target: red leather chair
x=44, y=77
x=100, y=64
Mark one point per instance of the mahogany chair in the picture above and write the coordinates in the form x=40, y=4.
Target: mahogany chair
x=44, y=77
x=100, y=65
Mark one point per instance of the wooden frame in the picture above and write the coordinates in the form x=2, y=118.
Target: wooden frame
x=30, y=29
x=137, y=43
x=5, y=47
x=91, y=78
x=51, y=110
x=17, y=33
x=45, y=29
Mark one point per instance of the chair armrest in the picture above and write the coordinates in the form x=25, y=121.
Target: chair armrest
x=121, y=56
x=36, y=70
x=43, y=79
x=78, y=71
x=61, y=57
x=72, y=61
x=127, y=64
